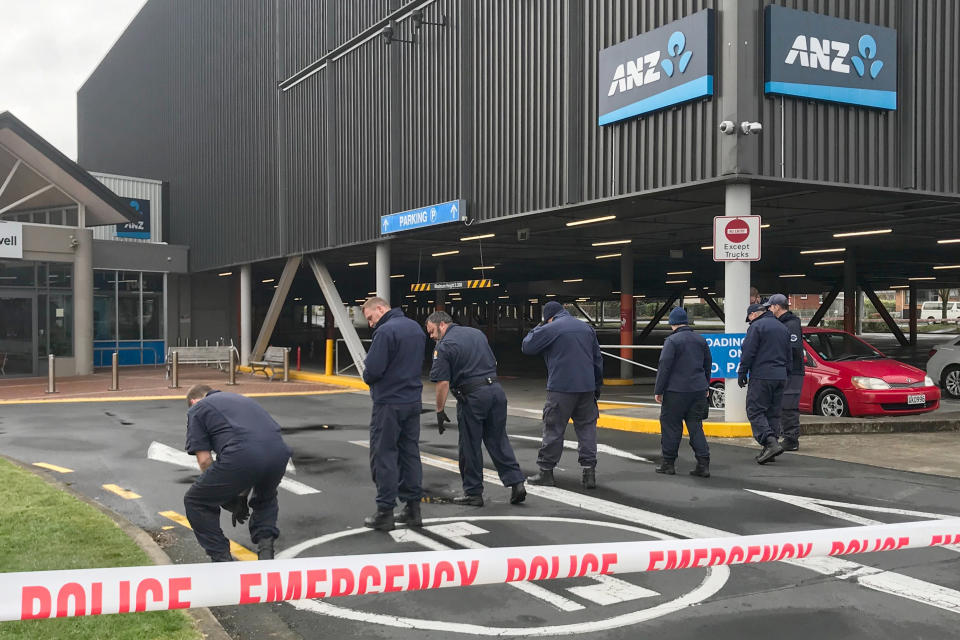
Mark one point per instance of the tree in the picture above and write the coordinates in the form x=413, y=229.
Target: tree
x=944, y=300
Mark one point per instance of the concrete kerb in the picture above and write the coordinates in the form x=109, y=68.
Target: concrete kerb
x=204, y=620
x=340, y=381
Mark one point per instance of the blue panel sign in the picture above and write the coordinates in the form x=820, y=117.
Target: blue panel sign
x=823, y=58
x=139, y=228
x=657, y=69
x=429, y=216
x=725, y=351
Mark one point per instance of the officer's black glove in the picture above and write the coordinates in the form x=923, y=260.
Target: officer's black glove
x=742, y=379
x=596, y=395
x=238, y=508
x=441, y=418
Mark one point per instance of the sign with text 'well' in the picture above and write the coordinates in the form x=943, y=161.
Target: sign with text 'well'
x=11, y=240
x=736, y=238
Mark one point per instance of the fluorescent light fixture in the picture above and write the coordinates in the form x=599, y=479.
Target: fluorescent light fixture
x=297, y=299
x=410, y=296
x=577, y=223
x=445, y=253
x=640, y=295
x=679, y=273
x=358, y=264
x=482, y=236
x=225, y=274
x=765, y=225
x=574, y=280
x=503, y=297
x=481, y=268
x=872, y=232
x=926, y=278
x=616, y=292
x=899, y=286
x=398, y=275
x=948, y=266
x=813, y=251
x=609, y=255
x=826, y=262
x=429, y=301
x=792, y=275
x=551, y=295
x=676, y=282
x=708, y=247
x=371, y=293
x=610, y=243
x=693, y=289
x=267, y=281
x=950, y=241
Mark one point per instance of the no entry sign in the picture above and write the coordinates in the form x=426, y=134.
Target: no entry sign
x=736, y=238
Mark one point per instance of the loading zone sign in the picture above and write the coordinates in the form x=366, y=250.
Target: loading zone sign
x=725, y=350
x=736, y=238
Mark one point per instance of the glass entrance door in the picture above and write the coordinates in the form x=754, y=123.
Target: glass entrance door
x=18, y=331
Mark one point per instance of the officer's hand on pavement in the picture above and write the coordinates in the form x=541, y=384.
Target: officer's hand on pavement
x=441, y=418
x=658, y=398
x=742, y=379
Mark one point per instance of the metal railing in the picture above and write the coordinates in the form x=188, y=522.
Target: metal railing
x=635, y=347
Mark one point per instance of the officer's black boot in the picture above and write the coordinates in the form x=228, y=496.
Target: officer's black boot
x=469, y=500
x=382, y=520
x=589, y=478
x=410, y=514
x=544, y=478
x=789, y=444
x=518, y=493
x=666, y=467
x=770, y=451
x=703, y=468
x=221, y=557
x=265, y=549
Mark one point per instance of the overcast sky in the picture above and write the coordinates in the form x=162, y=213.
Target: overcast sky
x=48, y=48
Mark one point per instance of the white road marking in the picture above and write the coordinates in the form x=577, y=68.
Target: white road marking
x=601, y=448
x=611, y=590
x=165, y=453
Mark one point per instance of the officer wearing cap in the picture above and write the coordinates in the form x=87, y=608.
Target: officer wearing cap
x=574, y=377
x=682, y=388
x=790, y=417
x=464, y=364
x=765, y=357
x=392, y=368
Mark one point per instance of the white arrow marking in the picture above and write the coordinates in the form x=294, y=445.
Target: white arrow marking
x=165, y=453
x=601, y=448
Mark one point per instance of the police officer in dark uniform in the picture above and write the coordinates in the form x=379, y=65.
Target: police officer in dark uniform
x=765, y=357
x=790, y=417
x=251, y=457
x=464, y=364
x=574, y=378
x=392, y=368
x=682, y=388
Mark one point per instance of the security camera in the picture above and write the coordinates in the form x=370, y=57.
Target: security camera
x=387, y=34
x=728, y=127
x=751, y=128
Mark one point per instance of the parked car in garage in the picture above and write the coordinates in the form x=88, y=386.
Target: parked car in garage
x=845, y=376
x=943, y=367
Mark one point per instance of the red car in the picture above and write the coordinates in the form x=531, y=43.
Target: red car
x=845, y=376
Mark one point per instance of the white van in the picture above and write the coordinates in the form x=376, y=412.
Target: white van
x=933, y=311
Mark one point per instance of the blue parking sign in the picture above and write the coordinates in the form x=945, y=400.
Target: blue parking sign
x=725, y=351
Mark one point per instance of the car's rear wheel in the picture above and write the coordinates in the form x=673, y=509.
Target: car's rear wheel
x=832, y=403
x=718, y=395
x=950, y=381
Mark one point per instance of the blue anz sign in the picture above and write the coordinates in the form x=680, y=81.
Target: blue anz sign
x=657, y=69
x=822, y=58
x=139, y=228
x=429, y=216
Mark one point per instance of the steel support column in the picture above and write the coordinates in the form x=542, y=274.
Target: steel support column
x=333, y=302
x=276, y=305
x=246, y=312
x=850, y=292
x=627, y=321
x=825, y=306
x=736, y=276
x=658, y=316
x=716, y=308
x=882, y=310
x=383, y=270
x=912, y=301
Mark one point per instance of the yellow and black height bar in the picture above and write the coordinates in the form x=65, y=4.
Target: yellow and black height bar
x=485, y=283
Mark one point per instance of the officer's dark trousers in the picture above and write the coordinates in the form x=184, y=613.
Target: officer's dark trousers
x=230, y=475
x=559, y=408
x=395, y=453
x=790, y=417
x=482, y=417
x=764, y=404
x=676, y=408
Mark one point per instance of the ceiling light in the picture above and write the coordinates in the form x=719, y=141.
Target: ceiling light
x=693, y=289
x=398, y=275
x=446, y=253
x=483, y=236
x=481, y=268
x=948, y=266
x=551, y=295
x=825, y=263
x=502, y=297
x=765, y=225
x=709, y=247
x=792, y=275
x=358, y=264
x=609, y=255
x=268, y=280
x=410, y=296
x=371, y=293
x=927, y=278
x=640, y=295
x=617, y=292
x=899, y=286
x=812, y=251
x=873, y=232
x=225, y=273
x=577, y=223
x=574, y=280
x=297, y=299
x=679, y=273
x=676, y=282
x=951, y=241
x=610, y=242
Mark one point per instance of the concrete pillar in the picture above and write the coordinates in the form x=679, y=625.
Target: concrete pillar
x=850, y=292
x=912, y=313
x=736, y=277
x=246, y=313
x=83, y=302
x=627, y=320
x=383, y=270
x=860, y=311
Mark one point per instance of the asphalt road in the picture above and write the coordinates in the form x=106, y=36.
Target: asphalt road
x=913, y=594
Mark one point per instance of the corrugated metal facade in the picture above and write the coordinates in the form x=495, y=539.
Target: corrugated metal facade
x=128, y=187
x=498, y=107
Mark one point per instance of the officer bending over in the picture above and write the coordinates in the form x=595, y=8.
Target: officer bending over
x=791, y=393
x=464, y=363
x=682, y=388
x=251, y=456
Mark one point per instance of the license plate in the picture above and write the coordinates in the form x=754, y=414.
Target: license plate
x=917, y=398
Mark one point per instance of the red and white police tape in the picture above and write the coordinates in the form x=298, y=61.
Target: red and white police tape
x=85, y=592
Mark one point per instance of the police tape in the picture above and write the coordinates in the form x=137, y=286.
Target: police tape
x=85, y=592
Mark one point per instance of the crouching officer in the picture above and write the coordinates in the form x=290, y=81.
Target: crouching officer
x=392, y=368
x=765, y=356
x=790, y=417
x=251, y=459
x=682, y=388
x=464, y=363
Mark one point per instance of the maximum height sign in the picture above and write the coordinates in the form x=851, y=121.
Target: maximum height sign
x=736, y=238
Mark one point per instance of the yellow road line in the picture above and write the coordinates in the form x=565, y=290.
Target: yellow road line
x=239, y=551
x=52, y=467
x=178, y=397
x=120, y=491
x=652, y=425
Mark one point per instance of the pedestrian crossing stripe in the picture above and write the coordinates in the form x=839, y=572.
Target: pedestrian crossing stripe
x=485, y=283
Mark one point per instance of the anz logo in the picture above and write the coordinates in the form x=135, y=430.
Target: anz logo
x=644, y=70
x=821, y=53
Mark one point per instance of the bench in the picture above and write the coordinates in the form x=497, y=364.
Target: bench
x=272, y=359
x=219, y=356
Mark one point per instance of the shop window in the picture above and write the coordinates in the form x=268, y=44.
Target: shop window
x=104, y=305
x=55, y=324
x=16, y=273
x=152, y=306
x=128, y=305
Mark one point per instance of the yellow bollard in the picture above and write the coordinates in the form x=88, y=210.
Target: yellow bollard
x=329, y=367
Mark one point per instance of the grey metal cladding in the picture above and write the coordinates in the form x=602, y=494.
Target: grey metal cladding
x=302, y=34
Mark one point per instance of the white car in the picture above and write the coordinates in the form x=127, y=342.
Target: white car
x=944, y=366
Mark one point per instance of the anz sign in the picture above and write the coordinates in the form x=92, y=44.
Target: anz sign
x=822, y=58
x=657, y=69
